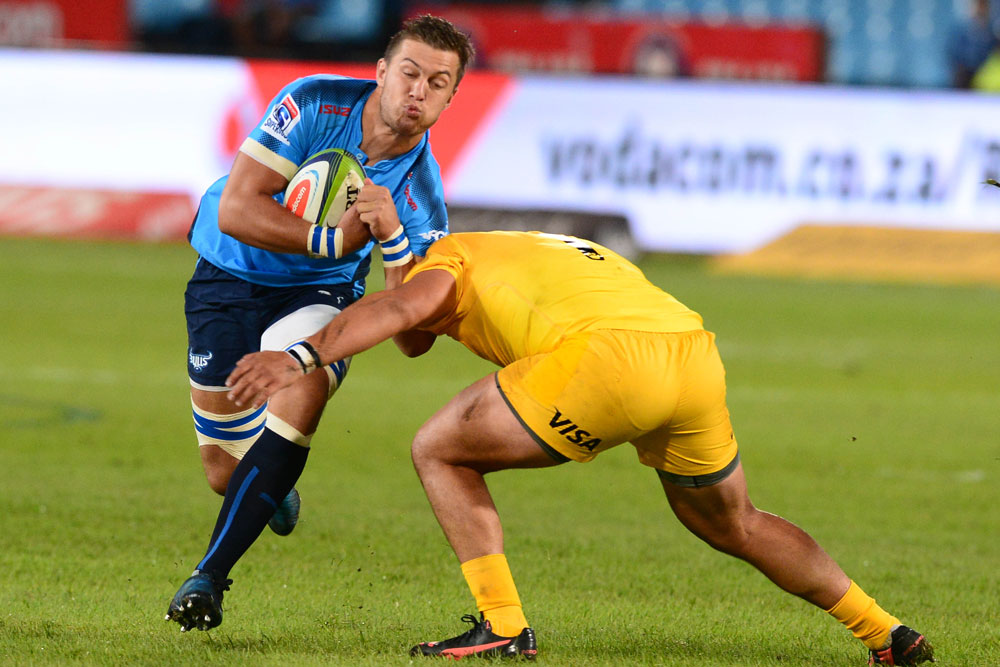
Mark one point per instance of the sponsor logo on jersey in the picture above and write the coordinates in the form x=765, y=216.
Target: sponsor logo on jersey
x=432, y=235
x=198, y=361
x=581, y=245
x=409, y=199
x=573, y=433
x=333, y=109
x=284, y=116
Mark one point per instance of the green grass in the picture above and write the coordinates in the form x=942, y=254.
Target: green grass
x=867, y=414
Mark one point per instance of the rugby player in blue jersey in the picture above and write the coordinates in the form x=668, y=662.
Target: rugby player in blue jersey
x=266, y=279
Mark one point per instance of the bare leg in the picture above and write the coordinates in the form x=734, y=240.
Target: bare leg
x=300, y=405
x=219, y=466
x=475, y=433
x=723, y=516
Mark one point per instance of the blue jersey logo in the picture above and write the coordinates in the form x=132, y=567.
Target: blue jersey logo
x=283, y=117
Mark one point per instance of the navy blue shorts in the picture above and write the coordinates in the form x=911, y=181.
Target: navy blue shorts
x=226, y=317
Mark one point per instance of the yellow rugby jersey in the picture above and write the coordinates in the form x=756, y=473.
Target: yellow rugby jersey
x=520, y=293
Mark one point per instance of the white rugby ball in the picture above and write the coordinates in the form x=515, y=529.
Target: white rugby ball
x=325, y=185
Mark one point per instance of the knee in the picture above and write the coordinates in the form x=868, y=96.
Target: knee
x=424, y=450
x=435, y=445
x=732, y=536
x=218, y=479
x=218, y=466
x=734, y=542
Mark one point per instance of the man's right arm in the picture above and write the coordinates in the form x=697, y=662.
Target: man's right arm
x=249, y=213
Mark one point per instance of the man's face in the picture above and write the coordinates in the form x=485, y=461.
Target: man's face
x=417, y=85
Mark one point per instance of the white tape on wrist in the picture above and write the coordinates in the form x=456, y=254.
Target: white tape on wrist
x=395, y=235
x=316, y=243
x=396, y=249
x=338, y=243
x=319, y=242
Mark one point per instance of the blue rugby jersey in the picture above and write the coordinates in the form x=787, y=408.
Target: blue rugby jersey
x=309, y=115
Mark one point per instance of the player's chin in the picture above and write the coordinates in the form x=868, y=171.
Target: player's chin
x=411, y=125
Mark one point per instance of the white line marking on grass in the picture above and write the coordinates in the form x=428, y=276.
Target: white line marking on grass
x=94, y=376
x=971, y=476
x=841, y=395
x=933, y=476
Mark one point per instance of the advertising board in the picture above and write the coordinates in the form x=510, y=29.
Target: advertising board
x=691, y=166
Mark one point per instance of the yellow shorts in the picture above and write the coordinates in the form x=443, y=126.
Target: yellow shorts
x=663, y=392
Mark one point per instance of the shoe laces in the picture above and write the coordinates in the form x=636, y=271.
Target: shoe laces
x=476, y=622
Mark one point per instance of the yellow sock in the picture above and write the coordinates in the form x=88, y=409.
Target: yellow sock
x=860, y=614
x=493, y=587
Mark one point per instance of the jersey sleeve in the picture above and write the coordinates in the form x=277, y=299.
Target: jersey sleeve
x=282, y=139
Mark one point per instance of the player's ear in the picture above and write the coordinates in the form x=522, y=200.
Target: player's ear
x=380, y=68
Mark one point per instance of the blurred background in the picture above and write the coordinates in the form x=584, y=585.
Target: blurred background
x=907, y=43
x=785, y=135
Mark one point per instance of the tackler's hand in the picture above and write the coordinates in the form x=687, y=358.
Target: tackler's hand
x=260, y=375
x=377, y=210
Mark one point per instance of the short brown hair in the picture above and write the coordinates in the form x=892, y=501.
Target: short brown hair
x=438, y=33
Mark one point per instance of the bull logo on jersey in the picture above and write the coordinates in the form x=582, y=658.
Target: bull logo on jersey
x=573, y=433
x=283, y=117
x=198, y=361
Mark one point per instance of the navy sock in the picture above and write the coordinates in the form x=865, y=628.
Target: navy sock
x=260, y=482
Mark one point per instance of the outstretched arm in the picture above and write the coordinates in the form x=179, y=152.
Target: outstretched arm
x=411, y=342
x=362, y=325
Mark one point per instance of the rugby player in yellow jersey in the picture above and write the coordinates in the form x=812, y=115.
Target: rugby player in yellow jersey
x=593, y=355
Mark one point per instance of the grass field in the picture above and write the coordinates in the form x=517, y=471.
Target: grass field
x=867, y=414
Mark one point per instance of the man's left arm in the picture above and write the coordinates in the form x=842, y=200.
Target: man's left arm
x=425, y=299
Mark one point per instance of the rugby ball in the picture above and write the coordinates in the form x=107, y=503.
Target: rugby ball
x=325, y=186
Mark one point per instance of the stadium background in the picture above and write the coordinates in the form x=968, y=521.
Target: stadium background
x=788, y=127
x=820, y=140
